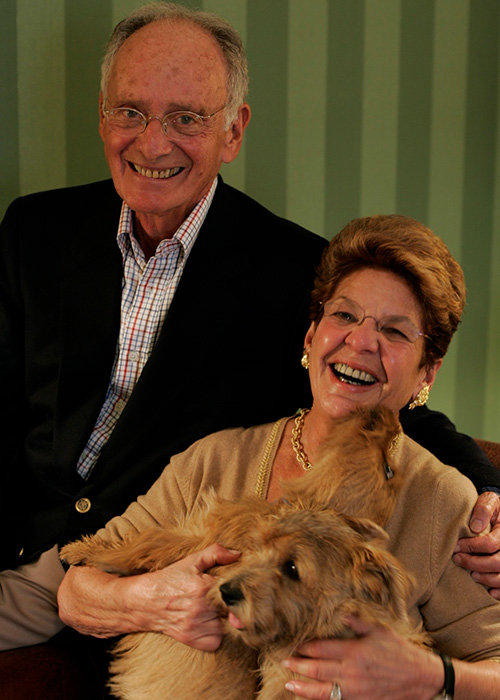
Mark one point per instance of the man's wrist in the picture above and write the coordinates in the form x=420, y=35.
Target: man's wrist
x=494, y=489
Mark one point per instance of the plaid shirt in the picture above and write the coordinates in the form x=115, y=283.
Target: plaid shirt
x=147, y=292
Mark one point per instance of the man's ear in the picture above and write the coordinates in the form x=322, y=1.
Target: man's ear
x=234, y=134
x=101, y=114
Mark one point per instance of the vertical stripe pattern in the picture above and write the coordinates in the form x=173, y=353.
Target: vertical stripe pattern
x=358, y=106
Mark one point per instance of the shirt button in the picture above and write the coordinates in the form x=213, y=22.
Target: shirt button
x=133, y=356
x=82, y=505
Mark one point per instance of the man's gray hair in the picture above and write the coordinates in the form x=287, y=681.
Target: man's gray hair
x=224, y=34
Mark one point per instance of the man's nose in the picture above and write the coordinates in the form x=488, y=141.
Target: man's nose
x=153, y=141
x=156, y=117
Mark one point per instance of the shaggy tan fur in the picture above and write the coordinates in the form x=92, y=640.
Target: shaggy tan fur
x=350, y=472
x=304, y=567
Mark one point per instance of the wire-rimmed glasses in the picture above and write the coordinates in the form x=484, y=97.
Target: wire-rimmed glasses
x=347, y=314
x=129, y=122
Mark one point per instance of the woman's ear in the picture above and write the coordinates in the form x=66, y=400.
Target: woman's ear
x=430, y=376
x=309, y=336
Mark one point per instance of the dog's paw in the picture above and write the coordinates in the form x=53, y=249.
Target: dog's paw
x=85, y=552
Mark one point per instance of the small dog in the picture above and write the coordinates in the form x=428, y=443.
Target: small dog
x=304, y=567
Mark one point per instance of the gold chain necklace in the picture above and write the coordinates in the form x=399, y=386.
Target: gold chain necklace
x=395, y=442
x=298, y=448
x=301, y=456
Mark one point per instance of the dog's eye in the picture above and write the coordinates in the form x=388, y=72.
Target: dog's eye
x=290, y=570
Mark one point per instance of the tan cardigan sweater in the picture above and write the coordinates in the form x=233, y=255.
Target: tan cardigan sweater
x=432, y=512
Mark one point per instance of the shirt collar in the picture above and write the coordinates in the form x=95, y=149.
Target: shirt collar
x=185, y=235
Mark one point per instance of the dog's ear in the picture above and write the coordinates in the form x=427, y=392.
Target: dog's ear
x=378, y=577
x=367, y=529
x=378, y=423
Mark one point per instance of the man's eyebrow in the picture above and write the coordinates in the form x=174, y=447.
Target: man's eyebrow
x=201, y=111
x=141, y=106
x=179, y=107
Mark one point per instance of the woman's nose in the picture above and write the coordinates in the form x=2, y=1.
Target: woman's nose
x=364, y=336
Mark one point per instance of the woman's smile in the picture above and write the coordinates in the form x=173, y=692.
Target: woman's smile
x=350, y=375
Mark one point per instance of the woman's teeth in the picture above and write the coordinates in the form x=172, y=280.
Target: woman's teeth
x=352, y=376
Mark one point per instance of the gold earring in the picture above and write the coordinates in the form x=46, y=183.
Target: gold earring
x=421, y=398
x=304, y=360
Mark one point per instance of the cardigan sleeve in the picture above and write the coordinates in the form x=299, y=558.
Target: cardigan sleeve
x=432, y=512
x=161, y=506
x=227, y=461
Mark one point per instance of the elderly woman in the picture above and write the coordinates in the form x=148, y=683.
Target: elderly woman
x=387, y=301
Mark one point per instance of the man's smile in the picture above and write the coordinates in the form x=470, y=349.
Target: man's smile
x=156, y=174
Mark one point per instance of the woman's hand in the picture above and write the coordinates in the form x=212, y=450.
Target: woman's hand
x=171, y=600
x=481, y=554
x=379, y=664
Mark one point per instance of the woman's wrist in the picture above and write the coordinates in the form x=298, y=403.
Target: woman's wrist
x=448, y=691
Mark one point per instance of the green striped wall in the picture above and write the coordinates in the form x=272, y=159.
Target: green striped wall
x=359, y=106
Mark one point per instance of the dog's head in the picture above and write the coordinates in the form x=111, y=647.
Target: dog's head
x=352, y=472
x=314, y=567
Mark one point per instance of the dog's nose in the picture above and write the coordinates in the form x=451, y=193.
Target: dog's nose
x=231, y=594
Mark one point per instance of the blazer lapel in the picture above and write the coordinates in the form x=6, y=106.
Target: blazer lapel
x=89, y=317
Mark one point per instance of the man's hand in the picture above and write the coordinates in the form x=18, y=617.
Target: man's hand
x=481, y=554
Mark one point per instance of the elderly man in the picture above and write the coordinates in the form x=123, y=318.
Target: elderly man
x=138, y=315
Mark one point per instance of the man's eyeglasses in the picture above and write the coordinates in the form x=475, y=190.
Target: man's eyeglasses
x=347, y=314
x=125, y=121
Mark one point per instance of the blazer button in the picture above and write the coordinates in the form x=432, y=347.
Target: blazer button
x=82, y=505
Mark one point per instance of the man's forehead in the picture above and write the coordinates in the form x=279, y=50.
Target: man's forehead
x=172, y=38
x=177, y=54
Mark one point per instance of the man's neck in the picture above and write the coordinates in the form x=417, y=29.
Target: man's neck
x=148, y=242
x=150, y=230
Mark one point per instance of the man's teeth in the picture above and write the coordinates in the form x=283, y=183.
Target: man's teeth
x=352, y=376
x=157, y=174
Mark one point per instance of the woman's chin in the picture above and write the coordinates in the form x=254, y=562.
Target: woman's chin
x=342, y=403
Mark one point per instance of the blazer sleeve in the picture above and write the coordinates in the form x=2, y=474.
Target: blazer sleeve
x=13, y=413
x=434, y=431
